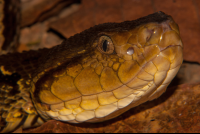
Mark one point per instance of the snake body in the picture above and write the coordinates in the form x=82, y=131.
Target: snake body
x=92, y=76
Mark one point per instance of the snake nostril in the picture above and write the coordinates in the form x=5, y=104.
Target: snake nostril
x=166, y=26
x=130, y=51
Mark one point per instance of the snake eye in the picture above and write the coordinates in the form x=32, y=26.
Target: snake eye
x=105, y=45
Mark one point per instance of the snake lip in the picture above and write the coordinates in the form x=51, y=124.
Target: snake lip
x=162, y=49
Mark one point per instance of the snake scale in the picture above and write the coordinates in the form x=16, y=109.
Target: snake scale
x=92, y=76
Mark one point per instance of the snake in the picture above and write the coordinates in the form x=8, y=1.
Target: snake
x=93, y=76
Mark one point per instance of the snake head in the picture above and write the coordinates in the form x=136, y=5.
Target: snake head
x=144, y=59
x=149, y=57
x=110, y=68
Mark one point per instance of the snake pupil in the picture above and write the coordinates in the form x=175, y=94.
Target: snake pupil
x=105, y=45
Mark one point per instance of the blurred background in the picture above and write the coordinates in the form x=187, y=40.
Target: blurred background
x=46, y=23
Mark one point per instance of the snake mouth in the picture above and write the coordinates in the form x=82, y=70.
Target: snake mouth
x=180, y=45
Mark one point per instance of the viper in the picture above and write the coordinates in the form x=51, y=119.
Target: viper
x=92, y=76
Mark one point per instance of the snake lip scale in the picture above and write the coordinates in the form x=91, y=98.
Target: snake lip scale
x=93, y=76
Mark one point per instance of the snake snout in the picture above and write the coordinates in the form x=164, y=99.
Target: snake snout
x=170, y=36
x=165, y=26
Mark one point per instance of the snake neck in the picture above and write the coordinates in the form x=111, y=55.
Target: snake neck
x=15, y=103
x=16, y=107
